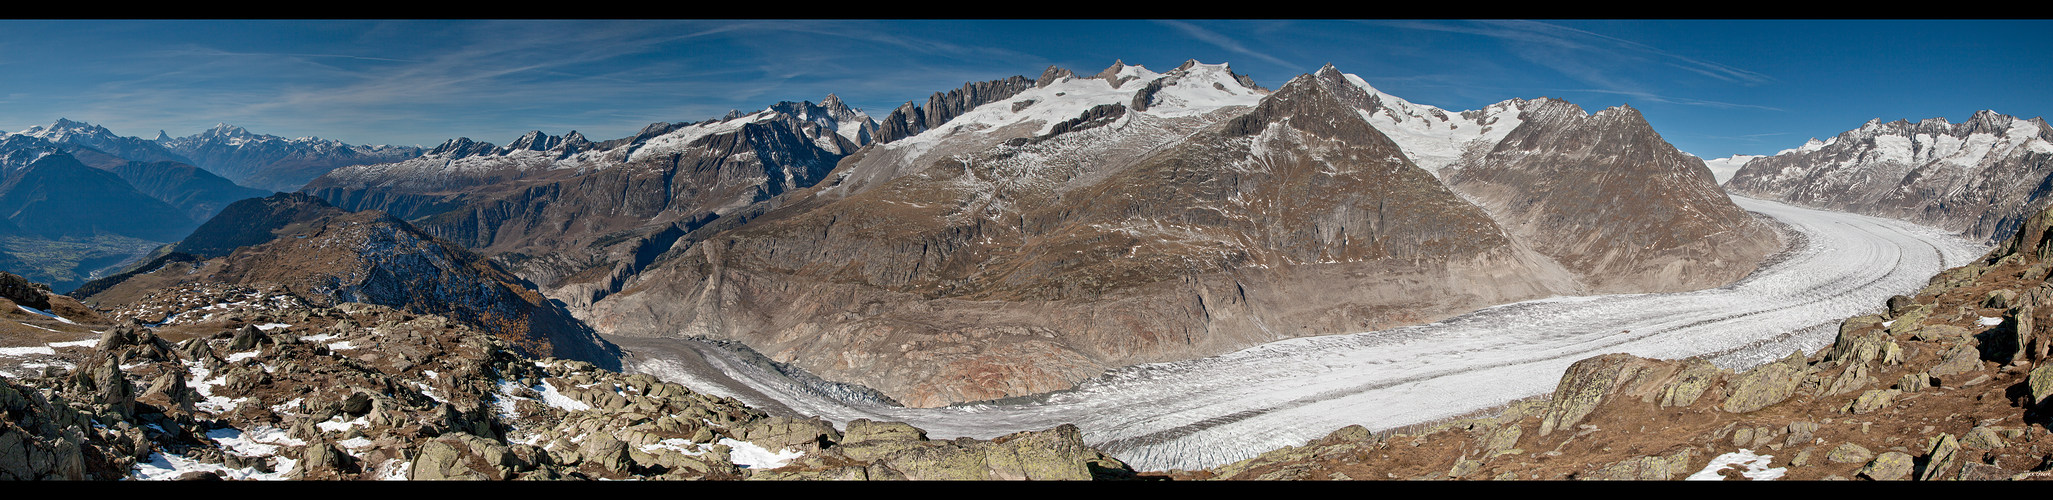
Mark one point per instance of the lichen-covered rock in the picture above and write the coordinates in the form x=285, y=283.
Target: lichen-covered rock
x=1504, y=437
x=1761, y=387
x=1696, y=376
x=1800, y=433
x=1054, y=454
x=1872, y=400
x=2000, y=299
x=1960, y=359
x=1982, y=437
x=1590, y=382
x=1889, y=466
x=1942, y=457
x=1908, y=321
x=785, y=432
x=1942, y=333
x=2041, y=382
x=1848, y=453
x=1648, y=468
x=1855, y=376
x=441, y=459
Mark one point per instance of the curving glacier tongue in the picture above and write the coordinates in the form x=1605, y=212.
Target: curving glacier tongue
x=1212, y=411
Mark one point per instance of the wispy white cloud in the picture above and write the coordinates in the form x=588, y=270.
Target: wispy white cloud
x=1224, y=42
x=1594, y=58
x=1686, y=101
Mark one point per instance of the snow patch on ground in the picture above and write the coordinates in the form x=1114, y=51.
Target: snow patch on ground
x=232, y=358
x=165, y=467
x=1988, y=321
x=25, y=351
x=1752, y=466
x=45, y=314
x=272, y=326
x=260, y=441
x=556, y=398
x=336, y=424
x=750, y=455
x=89, y=343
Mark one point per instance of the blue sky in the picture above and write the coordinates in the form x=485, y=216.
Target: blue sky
x=1713, y=88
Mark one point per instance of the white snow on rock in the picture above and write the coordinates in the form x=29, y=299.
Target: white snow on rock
x=166, y=466
x=336, y=424
x=1433, y=138
x=261, y=441
x=751, y=455
x=1752, y=466
x=1988, y=321
x=273, y=326
x=556, y=398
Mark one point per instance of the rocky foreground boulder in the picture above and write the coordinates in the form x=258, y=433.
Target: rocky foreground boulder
x=1954, y=382
x=266, y=387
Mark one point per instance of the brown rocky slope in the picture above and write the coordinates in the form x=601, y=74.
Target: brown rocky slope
x=1023, y=275
x=1949, y=383
x=267, y=387
x=326, y=256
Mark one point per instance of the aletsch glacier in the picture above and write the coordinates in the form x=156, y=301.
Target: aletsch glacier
x=1211, y=411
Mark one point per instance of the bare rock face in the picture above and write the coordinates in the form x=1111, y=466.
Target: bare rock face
x=1981, y=177
x=910, y=119
x=1608, y=198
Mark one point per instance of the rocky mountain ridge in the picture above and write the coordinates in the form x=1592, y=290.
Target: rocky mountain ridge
x=1981, y=177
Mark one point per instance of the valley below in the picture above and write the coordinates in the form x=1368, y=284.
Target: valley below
x=1212, y=411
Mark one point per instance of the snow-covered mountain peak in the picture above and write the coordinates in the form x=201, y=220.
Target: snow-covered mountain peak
x=1051, y=75
x=1430, y=136
x=1196, y=88
x=685, y=135
x=1810, y=145
x=65, y=130
x=1119, y=73
x=1722, y=169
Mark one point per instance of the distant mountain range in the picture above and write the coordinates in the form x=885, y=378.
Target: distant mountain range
x=83, y=201
x=1980, y=178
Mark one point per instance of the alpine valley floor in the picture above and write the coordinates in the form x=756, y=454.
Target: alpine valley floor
x=1212, y=411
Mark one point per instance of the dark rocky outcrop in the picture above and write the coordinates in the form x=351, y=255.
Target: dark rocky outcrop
x=911, y=118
